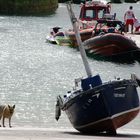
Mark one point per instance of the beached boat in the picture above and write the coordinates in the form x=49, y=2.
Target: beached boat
x=98, y=106
x=101, y=107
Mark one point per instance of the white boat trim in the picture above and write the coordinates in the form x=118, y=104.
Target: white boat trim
x=109, y=118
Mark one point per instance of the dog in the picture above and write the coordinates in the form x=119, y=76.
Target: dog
x=6, y=111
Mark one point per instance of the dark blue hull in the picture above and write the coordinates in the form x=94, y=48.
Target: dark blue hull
x=103, y=108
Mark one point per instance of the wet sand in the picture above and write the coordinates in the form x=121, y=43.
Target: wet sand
x=56, y=134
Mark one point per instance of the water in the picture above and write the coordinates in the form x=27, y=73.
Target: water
x=33, y=73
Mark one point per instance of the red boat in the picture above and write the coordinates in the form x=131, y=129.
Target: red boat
x=93, y=10
x=111, y=42
x=90, y=12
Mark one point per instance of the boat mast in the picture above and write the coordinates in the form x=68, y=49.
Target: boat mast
x=78, y=38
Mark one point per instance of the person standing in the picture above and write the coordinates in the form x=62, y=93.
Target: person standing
x=129, y=18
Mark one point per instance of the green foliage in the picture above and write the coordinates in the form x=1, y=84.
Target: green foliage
x=131, y=1
x=74, y=1
x=28, y=7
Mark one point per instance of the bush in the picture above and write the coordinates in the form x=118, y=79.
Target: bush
x=28, y=7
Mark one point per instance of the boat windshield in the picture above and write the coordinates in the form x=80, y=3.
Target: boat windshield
x=101, y=13
x=90, y=14
x=93, y=14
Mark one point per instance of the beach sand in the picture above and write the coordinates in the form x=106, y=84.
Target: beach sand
x=56, y=134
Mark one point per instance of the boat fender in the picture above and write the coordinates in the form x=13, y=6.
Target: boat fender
x=134, y=77
x=138, y=81
x=57, y=110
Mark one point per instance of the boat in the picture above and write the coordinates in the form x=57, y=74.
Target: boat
x=90, y=12
x=111, y=43
x=95, y=106
x=93, y=10
x=84, y=33
x=58, y=37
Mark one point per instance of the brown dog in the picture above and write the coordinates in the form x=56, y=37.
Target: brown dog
x=6, y=111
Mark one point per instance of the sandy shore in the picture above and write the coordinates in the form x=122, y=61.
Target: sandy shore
x=56, y=134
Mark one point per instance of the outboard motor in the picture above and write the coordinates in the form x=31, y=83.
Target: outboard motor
x=57, y=110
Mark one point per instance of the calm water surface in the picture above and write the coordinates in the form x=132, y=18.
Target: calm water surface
x=33, y=73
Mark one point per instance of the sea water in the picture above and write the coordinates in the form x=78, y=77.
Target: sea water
x=33, y=72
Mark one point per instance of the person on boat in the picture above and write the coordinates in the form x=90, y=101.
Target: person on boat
x=137, y=25
x=55, y=32
x=129, y=19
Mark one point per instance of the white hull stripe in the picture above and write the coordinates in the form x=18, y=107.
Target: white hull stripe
x=109, y=118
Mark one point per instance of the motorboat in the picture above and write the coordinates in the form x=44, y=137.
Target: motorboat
x=58, y=37
x=111, y=42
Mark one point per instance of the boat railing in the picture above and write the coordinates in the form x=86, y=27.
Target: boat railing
x=111, y=26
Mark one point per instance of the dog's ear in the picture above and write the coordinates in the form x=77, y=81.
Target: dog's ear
x=13, y=106
x=9, y=106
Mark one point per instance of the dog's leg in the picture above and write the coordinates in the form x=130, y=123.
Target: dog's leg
x=10, y=122
x=3, y=121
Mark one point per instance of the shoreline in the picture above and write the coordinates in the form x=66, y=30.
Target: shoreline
x=26, y=133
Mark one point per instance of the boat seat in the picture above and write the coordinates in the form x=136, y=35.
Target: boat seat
x=90, y=82
x=111, y=30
